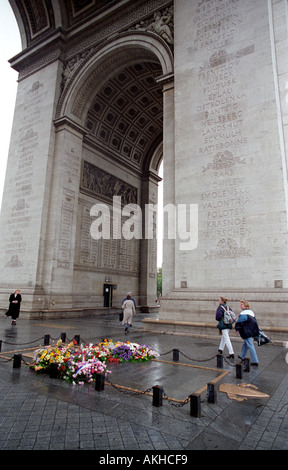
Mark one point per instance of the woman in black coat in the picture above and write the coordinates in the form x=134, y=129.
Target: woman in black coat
x=14, y=306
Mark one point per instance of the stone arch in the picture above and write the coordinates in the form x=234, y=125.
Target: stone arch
x=92, y=69
x=84, y=80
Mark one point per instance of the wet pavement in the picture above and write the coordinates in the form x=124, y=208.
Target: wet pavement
x=38, y=412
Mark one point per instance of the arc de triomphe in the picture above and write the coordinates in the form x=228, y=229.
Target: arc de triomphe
x=106, y=91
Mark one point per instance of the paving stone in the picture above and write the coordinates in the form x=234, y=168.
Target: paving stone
x=40, y=413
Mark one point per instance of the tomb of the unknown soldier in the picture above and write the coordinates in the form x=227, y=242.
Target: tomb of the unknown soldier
x=110, y=90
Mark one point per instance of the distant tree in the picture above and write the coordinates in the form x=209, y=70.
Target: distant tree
x=159, y=282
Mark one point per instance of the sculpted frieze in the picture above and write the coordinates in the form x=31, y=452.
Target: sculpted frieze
x=103, y=185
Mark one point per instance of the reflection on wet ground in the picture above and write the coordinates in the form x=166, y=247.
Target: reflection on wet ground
x=31, y=404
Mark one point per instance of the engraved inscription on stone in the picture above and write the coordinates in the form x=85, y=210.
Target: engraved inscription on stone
x=223, y=140
x=27, y=144
x=65, y=232
x=116, y=254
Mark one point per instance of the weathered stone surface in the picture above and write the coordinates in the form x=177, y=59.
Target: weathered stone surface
x=202, y=84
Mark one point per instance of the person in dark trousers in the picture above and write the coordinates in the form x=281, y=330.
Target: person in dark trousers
x=15, y=300
x=247, y=327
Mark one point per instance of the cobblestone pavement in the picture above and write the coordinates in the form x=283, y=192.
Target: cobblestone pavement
x=42, y=413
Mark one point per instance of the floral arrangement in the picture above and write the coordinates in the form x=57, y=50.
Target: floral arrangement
x=81, y=364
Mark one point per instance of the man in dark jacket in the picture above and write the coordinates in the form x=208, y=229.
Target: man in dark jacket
x=247, y=327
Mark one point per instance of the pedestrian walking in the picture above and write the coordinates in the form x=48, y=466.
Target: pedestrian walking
x=15, y=300
x=247, y=327
x=134, y=301
x=224, y=328
x=128, y=312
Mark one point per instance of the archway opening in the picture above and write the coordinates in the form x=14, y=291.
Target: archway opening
x=121, y=156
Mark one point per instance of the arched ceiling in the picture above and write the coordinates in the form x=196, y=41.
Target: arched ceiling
x=125, y=119
x=38, y=19
x=126, y=116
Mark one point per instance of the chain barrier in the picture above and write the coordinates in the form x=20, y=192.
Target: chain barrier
x=160, y=355
x=125, y=390
x=143, y=392
x=198, y=360
x=22, y=344
x=176, y=405
x=165, y=354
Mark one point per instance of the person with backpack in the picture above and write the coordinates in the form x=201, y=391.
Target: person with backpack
x=225, y=317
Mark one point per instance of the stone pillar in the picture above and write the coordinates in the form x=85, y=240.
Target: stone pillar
x=148, y=265
x=230, y=159
x=26, y=193
x=168, y=278
x=59, y=250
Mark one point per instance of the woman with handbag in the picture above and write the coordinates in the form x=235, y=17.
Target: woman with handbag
x=224, y=328
x=128, y=307
x=247, y=327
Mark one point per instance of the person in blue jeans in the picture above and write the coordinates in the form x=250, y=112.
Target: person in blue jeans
x=247, y=327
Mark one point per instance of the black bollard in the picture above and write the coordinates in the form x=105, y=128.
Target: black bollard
x=63, y=337
x=17, y=361
x=211, y=393
x=157, y=395
x=99, y=384
x=246, y=365
x=195, y=405
x=77, y=339
x=239, y=371
x=0, y=345
x=53, y=370
x=219, y=361
x=46, y=340
x=175, y=354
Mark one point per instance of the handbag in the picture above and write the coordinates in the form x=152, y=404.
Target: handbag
x=221, y=325
x=262, y=338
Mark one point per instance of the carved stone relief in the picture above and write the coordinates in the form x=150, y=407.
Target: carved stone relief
x=103, y=185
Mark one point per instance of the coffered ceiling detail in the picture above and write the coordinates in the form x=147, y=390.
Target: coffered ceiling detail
x=126, y=116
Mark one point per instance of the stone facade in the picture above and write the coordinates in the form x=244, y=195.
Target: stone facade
x=230, y=159
x=106, y=91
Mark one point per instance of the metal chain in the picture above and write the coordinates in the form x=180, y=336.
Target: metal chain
x=21, y=344
x=168, y=352
x=177, y=405
x=198, y=360
x=127, y=392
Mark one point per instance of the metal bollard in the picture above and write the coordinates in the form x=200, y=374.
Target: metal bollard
x=239, y=371
x=17, y=361
x=195, y=405
x=246, y=365
x=211, y=393
x=157, y=395
x=46, y=340
x=53, y=370
x=77, y=339
x=0, y=345
x=99, y=384
x=220, y=361
x=63, y=337
x=175, y=354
